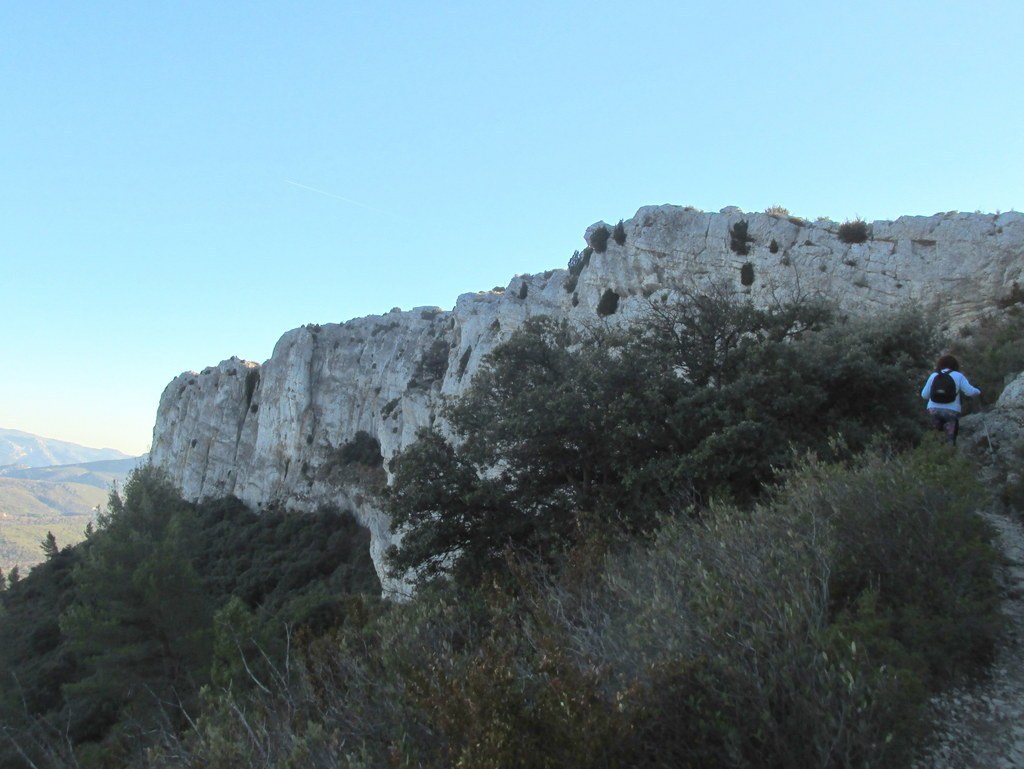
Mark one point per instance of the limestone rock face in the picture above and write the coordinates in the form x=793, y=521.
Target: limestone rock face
x=1012, y=396
x=271, y=433
x=996, y=438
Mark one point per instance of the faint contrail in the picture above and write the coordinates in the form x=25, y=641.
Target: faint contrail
x=328, y=194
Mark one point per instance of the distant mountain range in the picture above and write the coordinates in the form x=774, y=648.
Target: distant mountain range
x=51, y=486
x=27, y=450
x=99, y=474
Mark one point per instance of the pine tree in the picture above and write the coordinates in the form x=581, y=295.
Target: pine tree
x=140, y=622
x=619, y=233
x=49, y=546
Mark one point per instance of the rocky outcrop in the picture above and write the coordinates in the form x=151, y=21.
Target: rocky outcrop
x=276, y=433
x=996, y=438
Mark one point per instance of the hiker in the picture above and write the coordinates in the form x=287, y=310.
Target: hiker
x=943, y=390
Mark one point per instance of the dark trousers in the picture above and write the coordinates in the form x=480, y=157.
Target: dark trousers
x=946, y=421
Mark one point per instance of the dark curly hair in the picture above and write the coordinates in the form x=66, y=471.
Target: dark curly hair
x=947, y=361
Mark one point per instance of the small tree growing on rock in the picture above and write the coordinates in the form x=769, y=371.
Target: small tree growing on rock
x=739, y=237
x=853, y=232
x=599, y=239
x=619, y=234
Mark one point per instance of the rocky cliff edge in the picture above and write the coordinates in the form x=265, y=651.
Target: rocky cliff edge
x=276, y=433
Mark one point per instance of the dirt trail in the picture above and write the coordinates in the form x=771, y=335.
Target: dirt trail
x=982, y=727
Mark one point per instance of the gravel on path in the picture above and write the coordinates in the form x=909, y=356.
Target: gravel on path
x=982, y=726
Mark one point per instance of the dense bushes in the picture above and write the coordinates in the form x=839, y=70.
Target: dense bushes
x=563, y=437
x=363, y=449
x=793, y=634
x=739, y=237
x=991, y=352
x=432, y=367
x=695, y=541
x=113, y=639
x=619, y=233
x=855, y=231
x=139, y=620
x=779, y=635
x=599, y=239
x=936, y=598
x=747, y=274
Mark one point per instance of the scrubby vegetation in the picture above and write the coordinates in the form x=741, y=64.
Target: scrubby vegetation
x=432, y=367
x=599, y=239
x=739, y=238
x=994, y=350
x=109, y=641
x=577, y=263
x=783, y=634
x=608, y=430
x=619, y=233
x=747, y=274
x=855, y=231
x=695, y=540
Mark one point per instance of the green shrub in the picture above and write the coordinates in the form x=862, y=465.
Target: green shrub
x=619, y=233
x=432, y=366
x=991, y=352
x=599, y=239
x=747, y=274
x=110, y=641
x=908, y=540
x=576, y=265
x=739, y=238
x=705, y=396
x=855, y=231
x=747, y=638
x=362, y=449
x=808, y=630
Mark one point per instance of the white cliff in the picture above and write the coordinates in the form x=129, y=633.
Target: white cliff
x=271, y=433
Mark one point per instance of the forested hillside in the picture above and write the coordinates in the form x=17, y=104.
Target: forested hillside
x=719, y=536
x=60, y=499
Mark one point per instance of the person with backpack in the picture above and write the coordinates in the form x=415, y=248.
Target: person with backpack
x=942, y=390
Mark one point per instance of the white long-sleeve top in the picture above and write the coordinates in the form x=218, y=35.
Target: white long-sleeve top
x=962, y=386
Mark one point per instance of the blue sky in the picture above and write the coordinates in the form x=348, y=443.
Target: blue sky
x=185, y=181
